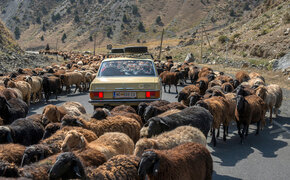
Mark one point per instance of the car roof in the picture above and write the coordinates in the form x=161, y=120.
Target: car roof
x=126, y=58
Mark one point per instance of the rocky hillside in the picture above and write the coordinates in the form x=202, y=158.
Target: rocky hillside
x=12, y=57
x=75, y=23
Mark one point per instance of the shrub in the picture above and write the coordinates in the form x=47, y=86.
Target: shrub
x=125, y=19
x=109, y=32
x=63, y=37
x=43, y=28
x=17, y=33
x=286, y=18
x=135, y=10
x=42, y=38
x=91, y=38
x=222, y=39
x=141, y=27
x=158, y=20
x=38, y=20
x=77, y=18
x=56, y=17
x=47, y=47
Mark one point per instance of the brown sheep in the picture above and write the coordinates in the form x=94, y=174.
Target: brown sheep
x=36, y=87
x=110, y=143
x=227, y=87
x=254, y=75
x=170, y=78
x=272, y=96
x=184, y=94
x=204, y=72
x=182, y=162
x=249, y=109
x=193, y=73
x=111, y=124
x=218, y=106
x=52, y=113
x=215, y=82
x=10, y=93
x=24, y=87
x=202, y=83
x=118, y=167
x=242, y=76
x=11, y=153
x=71, y=78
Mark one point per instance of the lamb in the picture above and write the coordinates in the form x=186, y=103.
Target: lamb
x=152, y=111
x=111, y=124
x=218, y=106
x=110, y=144
x=22, y=131
x=13, y=109
x=71, y=78
x=169, y=78
x=52, y=145
x=52, y=113
x=24, y=87
x=194, y=116
x=126, y=111
x=170, y=139
x=36, y=87
x=182, y=162
x=142, y=106
x=272, y=96
x=242, y=76
x=11, y=153
x=118, y=167
x=183, y=95
x=249, y=109
x=51, y=84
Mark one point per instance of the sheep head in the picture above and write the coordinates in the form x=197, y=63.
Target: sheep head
x=240, y=103
x=69, y=120
x=35, y=153
x=236, y=83
x=50, y=114
x=156, y=126
x=261, y=91
x=149, y=164
x=50, y=129
x=5, y=135
x=144, y=144
x=141, y=108
x=67, y=166
x=211, y=77
x=182, y=96
x=203, y=104
x=149, y=112
x=101, y=113
x=193, y=98
x=3, y=103
x=73, y=140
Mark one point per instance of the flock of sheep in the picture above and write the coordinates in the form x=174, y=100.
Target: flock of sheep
x=157, y=140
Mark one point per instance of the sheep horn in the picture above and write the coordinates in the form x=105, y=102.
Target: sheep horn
x=23, y=159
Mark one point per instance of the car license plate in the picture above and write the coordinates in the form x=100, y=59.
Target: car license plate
x=123, y=94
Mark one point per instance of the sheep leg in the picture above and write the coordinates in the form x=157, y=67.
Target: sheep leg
x=213, y=137
x=218, y=133
x=176, y=88
x=258, y=127
x=271, y=115
x=243, y=133
x=225, y=127
x=164, y=87
x=77, y=87
x=247, y=130
x=169, y=88
x=239, y=128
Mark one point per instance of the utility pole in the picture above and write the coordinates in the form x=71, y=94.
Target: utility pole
x=207, y=38
x=201, y=45
x=159, y=57
x=56, y=49
x=94, y=44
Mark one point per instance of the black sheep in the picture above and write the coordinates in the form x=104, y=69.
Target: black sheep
x=194, y=116
x=22, y=131
x=13, y=109
x=51, y=84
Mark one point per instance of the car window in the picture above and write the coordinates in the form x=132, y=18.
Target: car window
x=127, y=68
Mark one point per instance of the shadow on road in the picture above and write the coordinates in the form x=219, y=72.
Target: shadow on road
x=223, y=177
x=231, y=151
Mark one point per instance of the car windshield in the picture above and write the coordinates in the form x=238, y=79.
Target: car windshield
x=127, y=68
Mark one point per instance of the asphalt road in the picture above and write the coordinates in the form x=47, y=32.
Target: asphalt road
x=265, y=157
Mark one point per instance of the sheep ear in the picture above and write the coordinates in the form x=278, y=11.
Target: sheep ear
x=57, y=115
x=6, y=102
x=9, y=138
x=156, y=167
x=163, y=122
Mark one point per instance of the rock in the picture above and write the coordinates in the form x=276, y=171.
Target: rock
x=167, y=48
x=282, y=63
x=189, y=58
x=287, y=31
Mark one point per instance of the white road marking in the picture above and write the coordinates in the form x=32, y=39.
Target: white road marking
x=282, y=127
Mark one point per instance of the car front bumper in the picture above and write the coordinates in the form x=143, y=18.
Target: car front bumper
x=115, y=102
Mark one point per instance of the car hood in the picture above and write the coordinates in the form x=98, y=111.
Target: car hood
x=125, y=83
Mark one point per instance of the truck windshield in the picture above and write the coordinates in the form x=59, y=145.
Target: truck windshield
x=127, y=68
